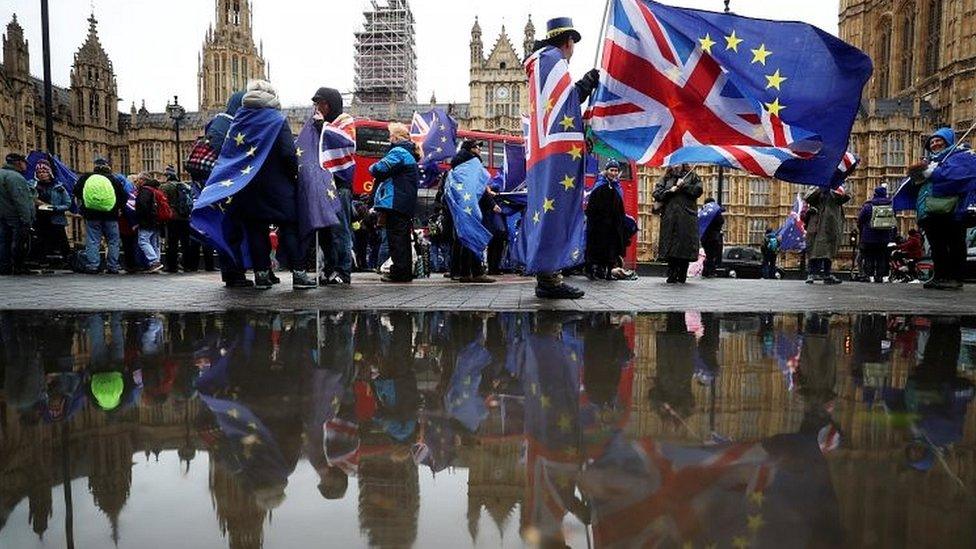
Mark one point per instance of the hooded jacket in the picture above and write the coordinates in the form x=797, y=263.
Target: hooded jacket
x=398, y=176
x=871, y=236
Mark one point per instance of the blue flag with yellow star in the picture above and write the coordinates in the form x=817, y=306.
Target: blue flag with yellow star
x=463, y=189
x=772, y=98
x=553, y=226
x=250, y=139
x=317, y=193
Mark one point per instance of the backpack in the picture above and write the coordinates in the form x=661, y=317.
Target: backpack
x=772, y=243
x=883, y=217
x=164, y=213
x=183, y=204
x=202, y=159
x=98, y=194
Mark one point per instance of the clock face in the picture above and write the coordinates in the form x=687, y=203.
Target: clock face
x=501, y=93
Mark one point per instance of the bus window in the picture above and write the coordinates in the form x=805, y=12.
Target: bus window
x=497, y=154
x=373, y=142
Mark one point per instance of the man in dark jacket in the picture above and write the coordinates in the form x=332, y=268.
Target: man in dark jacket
x=679, y=242
x=396, y=198
x=466, y=265
x=712, y=242
x=16, y=215
x=147, y=208
x=101, y=216
x=606, y=227
x=876, y=223
x=178, y=235
x=336, y=241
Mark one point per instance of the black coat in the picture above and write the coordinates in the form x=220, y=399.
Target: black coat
x=271, y=197
x=713, y=233
x=679, y=217
x=146, y=205
x=606, y=228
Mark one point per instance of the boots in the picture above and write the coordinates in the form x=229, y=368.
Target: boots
x=301, y=280
x=262, y=280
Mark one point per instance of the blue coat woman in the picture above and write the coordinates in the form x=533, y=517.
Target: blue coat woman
x=396, y=198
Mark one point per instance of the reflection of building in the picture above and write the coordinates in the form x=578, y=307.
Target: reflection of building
x=110, y=477
x=240, y=518
x=389, y=500
x=496, y=482
x=499, y=93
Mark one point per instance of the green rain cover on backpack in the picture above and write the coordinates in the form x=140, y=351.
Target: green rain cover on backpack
x=107, y=388
x=99, y=194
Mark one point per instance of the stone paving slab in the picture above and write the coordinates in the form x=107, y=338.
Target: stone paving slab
x=204, y=292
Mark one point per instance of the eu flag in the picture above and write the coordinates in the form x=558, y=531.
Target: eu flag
x=514, y=168
x=793, y=235
x=317, y=193
x=707, y=214
x=954, y=175
x=436, y=132
x=774, y=98
x=553, y=227
x=62, y=173
x=465, y=185
x=249, y=140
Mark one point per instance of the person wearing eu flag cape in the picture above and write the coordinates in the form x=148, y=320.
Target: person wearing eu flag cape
x=255, y=184
x=554, y=226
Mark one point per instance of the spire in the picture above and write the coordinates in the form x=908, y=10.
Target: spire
x=529, y=43
x=477, y=46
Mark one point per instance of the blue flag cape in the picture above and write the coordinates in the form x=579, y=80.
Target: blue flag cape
x=462, y=401
x=317, y=194
x=955, y=175
x=553, y=226
x=707, y=214
x=250, y=139
x=463, y=189
x=514, y=169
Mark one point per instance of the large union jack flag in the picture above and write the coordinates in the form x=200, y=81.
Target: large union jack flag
x=553, y=225
x=338, y=147
x=681, y=86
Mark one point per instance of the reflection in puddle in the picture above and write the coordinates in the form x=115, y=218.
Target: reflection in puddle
x=278, y=429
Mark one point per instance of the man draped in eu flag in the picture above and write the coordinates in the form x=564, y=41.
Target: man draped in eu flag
x=553, y=227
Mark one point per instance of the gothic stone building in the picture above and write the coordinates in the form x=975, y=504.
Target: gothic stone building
x=498, y=88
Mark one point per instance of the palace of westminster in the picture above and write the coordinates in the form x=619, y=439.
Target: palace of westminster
x=924, y=52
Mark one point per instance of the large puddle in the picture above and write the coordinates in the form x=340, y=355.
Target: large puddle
x=301, y=429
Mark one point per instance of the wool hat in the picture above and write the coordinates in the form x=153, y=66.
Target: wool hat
x=15, y=157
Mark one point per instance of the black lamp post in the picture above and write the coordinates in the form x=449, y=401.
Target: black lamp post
x=176, y=112
x=721, y=169
x=48, y=88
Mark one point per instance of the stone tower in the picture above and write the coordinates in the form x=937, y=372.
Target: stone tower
x=229, y=58
x=93, y=88
x=16, y=57
x=498, y=83
x=529, y=44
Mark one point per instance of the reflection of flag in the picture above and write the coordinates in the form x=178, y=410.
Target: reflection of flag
x=317, y=194
x=251, y=448
x=250, y=139
x=463, y=189
x=793, y=234
x=772, y=98
x=462, y=401
x=553, y=227
x=338, y=149
x=707, y=214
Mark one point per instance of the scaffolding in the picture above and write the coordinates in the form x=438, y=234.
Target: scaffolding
x=386, y=61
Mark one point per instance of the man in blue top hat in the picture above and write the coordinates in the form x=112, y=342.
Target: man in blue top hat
x=554, y=241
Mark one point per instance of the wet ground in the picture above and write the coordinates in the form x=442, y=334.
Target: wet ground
x=448, y=429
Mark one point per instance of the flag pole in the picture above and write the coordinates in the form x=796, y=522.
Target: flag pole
x=603, y=29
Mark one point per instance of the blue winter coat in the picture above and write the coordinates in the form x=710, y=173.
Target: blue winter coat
x=57, y=196
x=399, y=178
x=272, y=195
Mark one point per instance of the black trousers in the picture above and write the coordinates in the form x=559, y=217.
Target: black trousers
x=496, y=250
x=713, y=256
x=678, y=269
x=398, y=229
x=468, y=263
x=53, y=241
x=821, y=266
x=875, y=257
x=259, y=245
x=178, y=240
x=947, y=240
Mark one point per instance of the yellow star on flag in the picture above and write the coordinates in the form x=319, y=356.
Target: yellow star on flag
x=732, y=42
x=443, y=139
x=252, y=426
x=468, y=210
x=536, y=218
x=576, y=254
x=252, y=151
x=740, y=543
x=760, y=55
x=544, y=401
x=332, y=194
x=568, y=122
x=576, y=152
x=548, y=205
x=774, y=108
x=564, y=423
x=234, y=413
x=569, y=182
x=247, y=170
x=757, y=498
x=774, y=80
x=755, y=522
x=706, y=43
x=299, y=152
x=239, y=139
x=250, y=440
x=228, y=183
x=467, y=197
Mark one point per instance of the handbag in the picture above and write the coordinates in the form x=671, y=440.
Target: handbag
x=202, y=159
x=941, y=205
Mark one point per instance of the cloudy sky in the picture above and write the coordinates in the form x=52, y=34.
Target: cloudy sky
x=309, y=43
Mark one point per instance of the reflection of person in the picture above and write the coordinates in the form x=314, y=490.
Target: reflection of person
x=671, y=392
x=676, y=195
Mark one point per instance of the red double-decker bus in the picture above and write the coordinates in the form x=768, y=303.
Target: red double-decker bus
x=373, y=140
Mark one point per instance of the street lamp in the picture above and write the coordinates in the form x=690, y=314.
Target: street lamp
x=721, y=169
x=176, y=112
x=48, y=87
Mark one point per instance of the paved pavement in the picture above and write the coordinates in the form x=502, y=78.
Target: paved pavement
x=203, y=292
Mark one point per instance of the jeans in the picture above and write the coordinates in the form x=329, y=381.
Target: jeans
x=769, y=266
x=95, y=231
x=149, y=244
x=821, y=267
x=468, y=263
x=338, y=245
x=875, y=260
x=398, y=229
x=13, y=245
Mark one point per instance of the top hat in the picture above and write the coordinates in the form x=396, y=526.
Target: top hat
x=560, y=25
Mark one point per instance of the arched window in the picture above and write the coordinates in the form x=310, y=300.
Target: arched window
x=907, y=40
x=237, y=13
x=934, y=37
x=235, y=73
x=883, y=61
